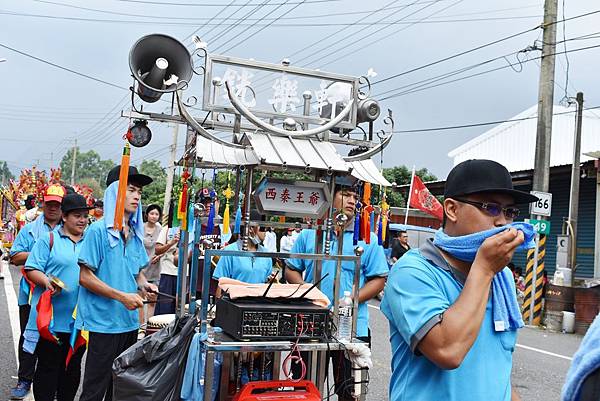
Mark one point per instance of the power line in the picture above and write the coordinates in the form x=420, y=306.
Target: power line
x=215, y=4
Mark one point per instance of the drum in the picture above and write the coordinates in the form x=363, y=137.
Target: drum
x=158, y=322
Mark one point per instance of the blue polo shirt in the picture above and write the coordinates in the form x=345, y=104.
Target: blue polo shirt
x=24, y=243
x=118, y=267
x=420, y=287
x=61, y=262
x=373, y=264
x=247, y=269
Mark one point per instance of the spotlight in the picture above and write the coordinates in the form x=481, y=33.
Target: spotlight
x=139, y=134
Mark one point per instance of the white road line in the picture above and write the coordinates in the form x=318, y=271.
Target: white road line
x=541, y=351
x=13, y=308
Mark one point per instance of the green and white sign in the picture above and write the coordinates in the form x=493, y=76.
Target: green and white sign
x=540, y=226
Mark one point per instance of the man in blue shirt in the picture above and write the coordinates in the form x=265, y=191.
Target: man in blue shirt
x=444, y=343
x=19, y=252
x=374, y=269
x=111, y=262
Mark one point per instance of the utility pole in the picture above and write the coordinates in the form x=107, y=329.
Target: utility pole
x=74, y=163
x=575, y=177
x=170, y=174
x=532, y=305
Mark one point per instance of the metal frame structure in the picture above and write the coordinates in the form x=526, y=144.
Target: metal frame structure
x=239, y=153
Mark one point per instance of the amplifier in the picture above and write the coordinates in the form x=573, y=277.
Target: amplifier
x=252, y=318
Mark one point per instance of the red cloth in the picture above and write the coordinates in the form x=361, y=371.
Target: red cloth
x=44, y=317
x=423, y=200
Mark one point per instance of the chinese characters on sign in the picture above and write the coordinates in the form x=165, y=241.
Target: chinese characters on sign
x=292, y=198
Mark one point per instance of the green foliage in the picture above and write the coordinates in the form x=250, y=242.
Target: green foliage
x=95, y=186
x=88, y=165
x=155, y=192
x=401, y=176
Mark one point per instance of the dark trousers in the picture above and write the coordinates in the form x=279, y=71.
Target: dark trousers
x=52, y=377
x=26, y=360
x=102, y=351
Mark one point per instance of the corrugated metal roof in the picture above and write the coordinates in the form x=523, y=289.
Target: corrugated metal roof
x=365, y=170
x=218, y=155
x=296, y=152
x=513, y=143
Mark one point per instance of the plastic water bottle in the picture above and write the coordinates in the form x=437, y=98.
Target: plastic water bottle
x=345, y=318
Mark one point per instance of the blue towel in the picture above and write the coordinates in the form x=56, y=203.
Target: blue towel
x=585, y=362
x=136, y=223
x=30, y=339
x=506, y=312
x=192, y=388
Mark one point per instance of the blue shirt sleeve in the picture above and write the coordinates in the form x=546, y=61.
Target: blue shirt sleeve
x=223, y=268
x=92, y=250
x=23, y=242
x=38, y=258
x=299, y=247
x=412, y=299
x=374, y=261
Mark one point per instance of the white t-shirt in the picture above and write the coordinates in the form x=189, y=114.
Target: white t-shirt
x=167, y=261
x=286, y=243
x=270, y=242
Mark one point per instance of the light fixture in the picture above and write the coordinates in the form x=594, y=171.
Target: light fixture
x=139, y=134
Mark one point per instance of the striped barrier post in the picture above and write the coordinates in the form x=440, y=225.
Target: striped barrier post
x=534, y=280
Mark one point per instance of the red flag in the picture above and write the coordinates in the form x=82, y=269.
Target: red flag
x=422, y=199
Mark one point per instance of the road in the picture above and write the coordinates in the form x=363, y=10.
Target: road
x=541, y=359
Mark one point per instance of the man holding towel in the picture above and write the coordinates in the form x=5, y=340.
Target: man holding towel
x=451, y=304
x=111, y=264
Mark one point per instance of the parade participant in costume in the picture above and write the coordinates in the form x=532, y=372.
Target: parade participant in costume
x=247, y=269
x=451, y=303
x=111, y=262
x=374, y=268
x=19, y=252
x=55, y=254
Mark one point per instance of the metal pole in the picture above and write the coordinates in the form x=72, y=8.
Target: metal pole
x=249, y=177
x=170, y=174
x=575, y=177
x=74, y=163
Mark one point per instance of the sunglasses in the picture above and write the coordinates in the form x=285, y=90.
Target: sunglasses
x=493, y=209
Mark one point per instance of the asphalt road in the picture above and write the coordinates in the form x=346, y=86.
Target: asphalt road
x=541, y=359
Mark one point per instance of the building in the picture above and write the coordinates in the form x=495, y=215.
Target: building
x=513, y=144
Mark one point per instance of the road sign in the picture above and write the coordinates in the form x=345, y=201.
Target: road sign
x=540, y=226
x=543, y=206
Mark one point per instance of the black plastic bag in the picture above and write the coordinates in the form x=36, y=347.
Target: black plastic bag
x=153, y=368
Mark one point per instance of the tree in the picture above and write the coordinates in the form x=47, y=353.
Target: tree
x=88, y=165
x=95, y=186
x=401, y=175
x=5, y=173
x=155, y=192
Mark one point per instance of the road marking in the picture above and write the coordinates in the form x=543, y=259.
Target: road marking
x=13, y=309
x=541, y=351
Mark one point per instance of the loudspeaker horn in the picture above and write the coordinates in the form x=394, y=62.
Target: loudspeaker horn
x=155, y=60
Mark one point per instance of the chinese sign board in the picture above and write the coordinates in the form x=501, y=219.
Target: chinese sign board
x=292, y=198
x=278, y=91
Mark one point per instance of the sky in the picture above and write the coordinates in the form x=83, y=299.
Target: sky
x=44, y=108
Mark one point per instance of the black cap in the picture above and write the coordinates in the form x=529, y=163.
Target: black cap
x=74, y=201
x=133, y=176
x=483, y=176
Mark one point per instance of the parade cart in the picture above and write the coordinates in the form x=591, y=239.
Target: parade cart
x=291, y=128
x=8, y=225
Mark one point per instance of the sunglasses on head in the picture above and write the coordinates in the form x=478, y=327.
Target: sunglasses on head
x=493, y=209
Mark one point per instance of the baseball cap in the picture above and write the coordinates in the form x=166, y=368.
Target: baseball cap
x=74, y=201
x=483, y=176
x=132, y=176
x=204, y=195
x=54, y=192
